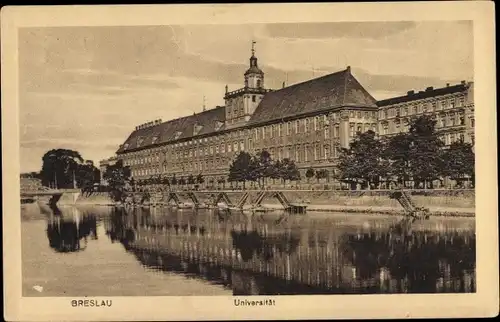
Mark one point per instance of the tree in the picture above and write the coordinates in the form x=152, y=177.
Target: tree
x=240, y=167
x=117, y=177
x=58, y=166
x=174, y=180
x=289, y=171
x=309, y=174
x=459, y=162
x=200, y=179
x=262, y=167
x=86, y=175
x=397, y=154
x=362, y=162
x=190, y=179
x=182, y=181
x=427, y=162
x=321, y=174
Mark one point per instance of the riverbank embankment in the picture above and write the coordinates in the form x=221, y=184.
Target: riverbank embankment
x=439, y=202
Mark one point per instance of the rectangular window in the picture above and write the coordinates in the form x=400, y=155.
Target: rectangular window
x=297, y=126
x=316, y=123
x=327, y=132
x=273, y=130
x=280, y=129
x=327, y=152
x=351, y=130
x=316, y=151
x=217, y=149
x=306, y=125
x=235, y=146
x=288, y=128
x=337, y=131
x=256, y=134
x=305, y=153
x=263, y=132
x=297, y=154
x=242, y=146
x=280, y=154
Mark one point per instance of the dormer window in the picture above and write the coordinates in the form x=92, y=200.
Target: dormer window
x=177, y=135
x=125, y=146
x=218, y=125
x=139, y=141
x=155, y=138
x=197, y=129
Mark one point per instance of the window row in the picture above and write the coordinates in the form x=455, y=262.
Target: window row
x=422, y=107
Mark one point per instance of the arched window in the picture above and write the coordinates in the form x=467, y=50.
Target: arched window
x=258, y=83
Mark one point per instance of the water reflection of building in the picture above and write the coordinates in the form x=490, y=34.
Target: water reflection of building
x=261, y=257
x=67, y=227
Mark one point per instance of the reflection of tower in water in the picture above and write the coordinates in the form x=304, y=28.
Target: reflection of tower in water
x=66, y=227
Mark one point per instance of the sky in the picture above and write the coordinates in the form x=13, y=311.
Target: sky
x=86, y=88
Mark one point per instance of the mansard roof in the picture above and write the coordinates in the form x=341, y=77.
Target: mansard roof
x=176, y=129
x=323, y=93
x=429, y=92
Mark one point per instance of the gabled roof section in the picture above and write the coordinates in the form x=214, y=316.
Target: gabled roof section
x=323, y=93
x=173, y=130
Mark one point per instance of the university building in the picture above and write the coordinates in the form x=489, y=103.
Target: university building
x=306, y=122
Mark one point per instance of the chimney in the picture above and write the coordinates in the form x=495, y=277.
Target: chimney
x=430, y=88
x=410, y=92
x=447, y=84
x=348, y=69
x=462, y=82
x=283, y=85
x=227, y=89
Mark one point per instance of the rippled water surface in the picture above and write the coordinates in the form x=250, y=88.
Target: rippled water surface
x=104, y=251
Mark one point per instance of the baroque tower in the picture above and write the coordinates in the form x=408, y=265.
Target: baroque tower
x=241, y=103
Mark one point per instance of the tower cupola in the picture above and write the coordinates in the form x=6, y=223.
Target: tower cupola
x=254, y=77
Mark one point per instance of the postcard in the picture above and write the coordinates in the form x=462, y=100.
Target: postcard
x=249, y=161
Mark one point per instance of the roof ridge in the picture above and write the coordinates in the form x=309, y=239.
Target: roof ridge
x=310, y=80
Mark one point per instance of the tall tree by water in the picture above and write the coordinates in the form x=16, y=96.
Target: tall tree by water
x=87, y=175
x=118, y=177
x=362, y=161
x=397, y=154
x=459, y=162
x=58, y=166
x=289, y=171
x=263, y=167
x=425, y=151
x=240, y=167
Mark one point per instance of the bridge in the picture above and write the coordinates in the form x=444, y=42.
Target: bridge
x=57, y=196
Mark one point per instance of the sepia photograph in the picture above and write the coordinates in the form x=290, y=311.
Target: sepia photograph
x=247, y=159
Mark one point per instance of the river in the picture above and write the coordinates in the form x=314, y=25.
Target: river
x=107, y=251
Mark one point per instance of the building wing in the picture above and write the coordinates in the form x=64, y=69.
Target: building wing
x=323, y=93
x=205, y=122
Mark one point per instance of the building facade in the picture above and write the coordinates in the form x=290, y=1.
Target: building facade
x=306, y=122
x=451, y=106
